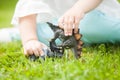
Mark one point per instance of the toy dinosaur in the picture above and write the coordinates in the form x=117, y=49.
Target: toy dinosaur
x=67, y=42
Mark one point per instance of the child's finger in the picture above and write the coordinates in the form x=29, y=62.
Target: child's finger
x=29, y=51
x=66, y=28
x=25, y=52
x=76, y=24
x=61, y=22
x=69, y=28
x=70, y=25
x=36, y=52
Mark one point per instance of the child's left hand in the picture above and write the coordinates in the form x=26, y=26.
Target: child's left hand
x=71, y=20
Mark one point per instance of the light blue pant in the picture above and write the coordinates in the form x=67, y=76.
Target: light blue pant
x=96, y=27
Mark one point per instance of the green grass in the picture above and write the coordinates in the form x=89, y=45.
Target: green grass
x=6, y=12
x=97, y=63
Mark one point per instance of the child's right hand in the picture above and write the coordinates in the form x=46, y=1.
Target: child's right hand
x=33, y=47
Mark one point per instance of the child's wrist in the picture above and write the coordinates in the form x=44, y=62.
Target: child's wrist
x=80, y=8
x=31, y=39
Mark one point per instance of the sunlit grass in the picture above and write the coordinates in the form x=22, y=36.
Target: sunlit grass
x=5, y=20
x=6, y=12
x=97, y=63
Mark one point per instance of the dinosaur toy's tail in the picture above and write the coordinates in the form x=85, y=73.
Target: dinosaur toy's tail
x=53, y=27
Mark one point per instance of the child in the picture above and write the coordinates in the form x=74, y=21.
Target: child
x=98, y=20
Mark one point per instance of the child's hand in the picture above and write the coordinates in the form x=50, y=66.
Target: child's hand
x=33, y=47
x=71, y=20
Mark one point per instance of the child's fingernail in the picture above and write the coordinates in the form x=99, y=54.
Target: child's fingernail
x=70, y=34
x=42, y=54
x=66, y=34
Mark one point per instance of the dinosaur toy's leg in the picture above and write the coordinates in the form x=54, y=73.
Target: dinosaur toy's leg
x=75, y=52
x=79, y=47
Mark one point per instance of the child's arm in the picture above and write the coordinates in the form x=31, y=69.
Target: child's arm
x=73, y=16
x=28, y=28
x=28, y=33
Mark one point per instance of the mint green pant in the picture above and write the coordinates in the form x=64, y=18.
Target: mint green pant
x=96, y=27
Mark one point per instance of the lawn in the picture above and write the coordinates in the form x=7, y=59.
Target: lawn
x=98, y=62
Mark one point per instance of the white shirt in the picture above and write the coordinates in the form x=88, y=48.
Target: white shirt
x=47, y=9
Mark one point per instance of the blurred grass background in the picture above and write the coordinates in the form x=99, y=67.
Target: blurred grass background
x=6, y=12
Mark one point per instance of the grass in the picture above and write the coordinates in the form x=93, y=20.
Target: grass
x=6, y=12
x=98, y=62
